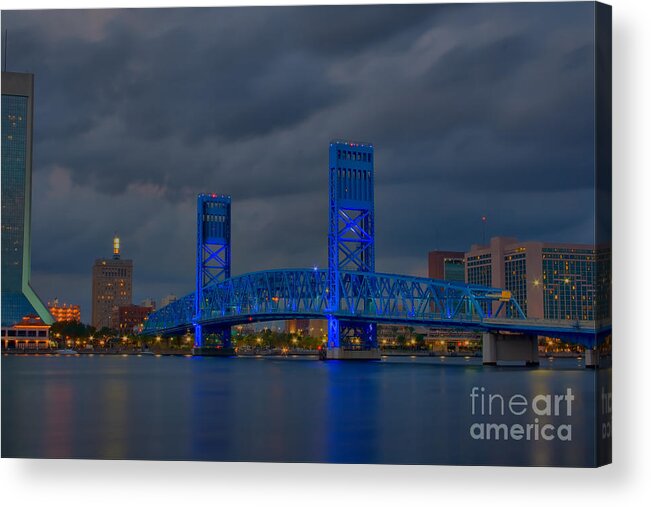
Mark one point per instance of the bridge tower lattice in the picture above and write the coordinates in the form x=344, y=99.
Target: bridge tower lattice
x=351, y=236
x=213, y=261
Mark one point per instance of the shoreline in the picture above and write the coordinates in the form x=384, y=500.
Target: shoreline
x=298, y=353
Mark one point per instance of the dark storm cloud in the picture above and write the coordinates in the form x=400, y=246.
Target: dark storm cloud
x=346, y=31
x=474, y=110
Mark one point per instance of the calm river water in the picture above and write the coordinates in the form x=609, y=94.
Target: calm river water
x=398, y=410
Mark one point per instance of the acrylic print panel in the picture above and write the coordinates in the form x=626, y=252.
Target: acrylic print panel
x=342, y=234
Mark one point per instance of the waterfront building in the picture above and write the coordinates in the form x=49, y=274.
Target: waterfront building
x=549, y=280
x=130, y=318
x=64, y=312
x=18, y=297
x=446, y=265
x=30, y=333
x=112, y=287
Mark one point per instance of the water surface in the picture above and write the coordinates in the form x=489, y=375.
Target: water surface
x=398, y=410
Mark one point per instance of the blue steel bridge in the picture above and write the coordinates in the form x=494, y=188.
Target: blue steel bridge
x=349, y=294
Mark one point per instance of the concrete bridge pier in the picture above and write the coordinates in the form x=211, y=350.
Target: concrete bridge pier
x=489, y=349
x=509, y=347
x=213, y=351
x=591, y=357
x=348, y=339
x=213, y=341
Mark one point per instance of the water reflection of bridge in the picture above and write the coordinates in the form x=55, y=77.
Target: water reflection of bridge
x=349, y=294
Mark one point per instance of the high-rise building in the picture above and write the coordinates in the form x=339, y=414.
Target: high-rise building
x=446, y=265
x=548, y=280
x=112, y=287
x=18, y=297
x=64, y=312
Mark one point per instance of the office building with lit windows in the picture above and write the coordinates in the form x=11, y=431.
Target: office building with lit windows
x=112, y=287
x=306, y=327
x=441, y=265
x=549, y=280
x=297, y=326
x=446, y=265
x=18, y=298
x=130, y=318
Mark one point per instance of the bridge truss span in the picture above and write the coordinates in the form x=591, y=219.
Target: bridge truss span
x=171, y=319
x=362, y=296
x=349, y=294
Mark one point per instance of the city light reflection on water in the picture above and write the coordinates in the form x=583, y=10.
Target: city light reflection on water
x=398, y=410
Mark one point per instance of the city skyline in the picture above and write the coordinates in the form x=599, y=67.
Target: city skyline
x=379, y=234
x=114, y=152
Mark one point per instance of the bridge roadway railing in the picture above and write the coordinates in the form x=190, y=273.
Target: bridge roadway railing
x=303, y=293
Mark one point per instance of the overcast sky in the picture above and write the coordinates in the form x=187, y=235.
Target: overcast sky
x=473, y=110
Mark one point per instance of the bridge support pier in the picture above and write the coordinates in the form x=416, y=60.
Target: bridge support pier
x=212, y=351
x=591, y=358
x=509, y=347
x=352, y=340
x=212, y=341
x=489, y=349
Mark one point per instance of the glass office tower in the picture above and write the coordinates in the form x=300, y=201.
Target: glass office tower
x=18, y=298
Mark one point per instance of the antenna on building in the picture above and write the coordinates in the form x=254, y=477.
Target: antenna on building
x=483, y=225
x=5, y=67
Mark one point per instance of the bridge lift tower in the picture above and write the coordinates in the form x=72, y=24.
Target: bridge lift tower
x=213, y=266
x=351, y=245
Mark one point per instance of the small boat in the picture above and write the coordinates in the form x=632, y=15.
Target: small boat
x=67, y=352
x=146, y=353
